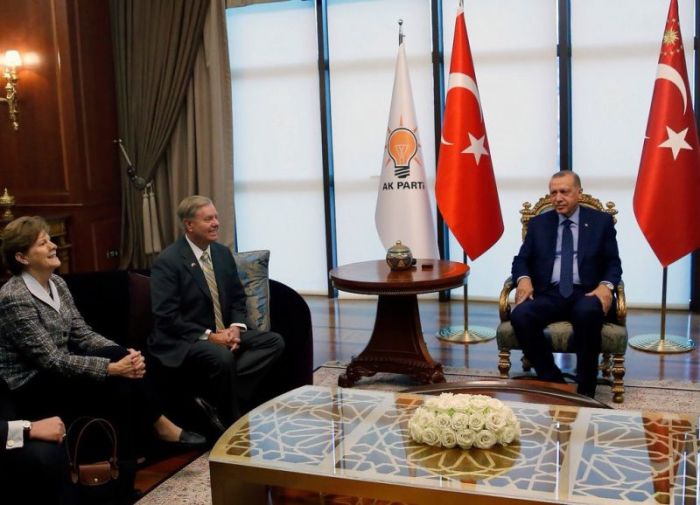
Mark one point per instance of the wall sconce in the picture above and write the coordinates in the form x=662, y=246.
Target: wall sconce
x=7, y=201
x=10, y=62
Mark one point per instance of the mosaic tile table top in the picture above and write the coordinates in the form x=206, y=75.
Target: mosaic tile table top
x=356, y=442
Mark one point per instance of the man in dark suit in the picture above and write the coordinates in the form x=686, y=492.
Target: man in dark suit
x=33, y=460
x=567, y=269
x=199, y=307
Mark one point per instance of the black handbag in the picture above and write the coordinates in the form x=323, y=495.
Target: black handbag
x=91, y=443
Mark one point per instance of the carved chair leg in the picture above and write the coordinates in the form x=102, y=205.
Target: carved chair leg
x=618, y=372
x=504, y=363
x=527, y=366
x=605, y=365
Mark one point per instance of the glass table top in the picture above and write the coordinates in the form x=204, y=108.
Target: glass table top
x=565, y=454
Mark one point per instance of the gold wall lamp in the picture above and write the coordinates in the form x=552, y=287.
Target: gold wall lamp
x=7, y=201
x=10, y=62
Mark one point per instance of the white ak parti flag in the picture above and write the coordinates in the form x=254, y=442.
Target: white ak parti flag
x=403, y=206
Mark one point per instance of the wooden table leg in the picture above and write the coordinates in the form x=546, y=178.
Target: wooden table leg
x=396, y=345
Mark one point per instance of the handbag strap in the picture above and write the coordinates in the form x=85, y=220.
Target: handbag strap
x=85, y=423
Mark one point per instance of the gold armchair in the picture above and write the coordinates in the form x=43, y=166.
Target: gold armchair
x=560, y=333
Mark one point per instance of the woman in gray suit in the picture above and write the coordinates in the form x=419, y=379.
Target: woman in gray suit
x=53, y=362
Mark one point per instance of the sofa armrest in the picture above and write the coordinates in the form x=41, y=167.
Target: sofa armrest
x=140, y=322
x=290, y=317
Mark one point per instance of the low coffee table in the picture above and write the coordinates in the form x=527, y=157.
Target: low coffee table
x=355, y=442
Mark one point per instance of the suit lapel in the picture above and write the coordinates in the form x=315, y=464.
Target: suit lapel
x=551, y=238
x=584, y=230
x=191, y=265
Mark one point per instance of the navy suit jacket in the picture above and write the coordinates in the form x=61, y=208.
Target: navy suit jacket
x=7, y=412
x=3, y=435
x=598, y=257
x=182, y=303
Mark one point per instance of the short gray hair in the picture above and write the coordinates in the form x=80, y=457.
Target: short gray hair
x=564, y=173
x=190, y=205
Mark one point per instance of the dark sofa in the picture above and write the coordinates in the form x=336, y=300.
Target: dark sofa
x=117, y=304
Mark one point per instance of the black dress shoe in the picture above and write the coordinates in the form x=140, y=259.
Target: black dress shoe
x=188, y=439
x=211, y=414
x=551, y=375
x=588, y=391
x=191, y=438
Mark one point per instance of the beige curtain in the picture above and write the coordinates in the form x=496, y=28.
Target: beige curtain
x=199, y=158
x=243, y=3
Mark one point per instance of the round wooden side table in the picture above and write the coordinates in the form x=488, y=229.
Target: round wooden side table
x=397, y=344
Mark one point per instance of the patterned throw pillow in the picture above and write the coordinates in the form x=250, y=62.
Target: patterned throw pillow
x=252, y=270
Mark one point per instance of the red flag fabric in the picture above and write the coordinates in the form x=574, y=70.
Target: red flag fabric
x=667, y=194
x=465, y=189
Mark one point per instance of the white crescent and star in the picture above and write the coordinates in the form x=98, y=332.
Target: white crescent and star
x=676, y=140
x=476, y=145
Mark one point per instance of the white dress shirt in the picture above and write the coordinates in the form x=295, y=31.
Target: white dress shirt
x=198, y=252
x=15, y=435
x=574, y=226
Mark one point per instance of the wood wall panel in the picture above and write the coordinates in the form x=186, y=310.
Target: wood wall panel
x=36, y=158
x=97, y=100
x=104, y=243
x=62, y=161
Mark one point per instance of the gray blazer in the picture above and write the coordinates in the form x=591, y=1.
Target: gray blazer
x=35, y=336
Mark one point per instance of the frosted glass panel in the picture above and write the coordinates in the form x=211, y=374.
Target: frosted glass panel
x=363, y=47
x=614, y=67
x=516, y=70
x=278, y=173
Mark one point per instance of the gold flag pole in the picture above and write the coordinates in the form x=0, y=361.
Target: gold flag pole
x=466, y=334
x=662, y=343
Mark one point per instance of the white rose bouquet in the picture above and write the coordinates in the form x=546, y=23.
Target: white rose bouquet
x=451, y=420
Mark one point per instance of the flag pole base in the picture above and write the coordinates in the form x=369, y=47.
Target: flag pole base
x=471, y=335
x=668, y=345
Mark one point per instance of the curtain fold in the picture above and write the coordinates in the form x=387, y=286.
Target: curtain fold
x=155, y=45
x=243, y=3
x=199, y=157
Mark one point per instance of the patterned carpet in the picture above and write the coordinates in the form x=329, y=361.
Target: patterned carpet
x=190, y=486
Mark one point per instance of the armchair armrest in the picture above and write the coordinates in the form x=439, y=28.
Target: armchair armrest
x=504, y=300
x=621, y=304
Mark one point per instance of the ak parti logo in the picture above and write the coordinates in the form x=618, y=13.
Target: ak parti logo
x=402, y=147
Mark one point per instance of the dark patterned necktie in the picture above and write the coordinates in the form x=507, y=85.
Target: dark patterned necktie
x=213, y=289
x=566, y=277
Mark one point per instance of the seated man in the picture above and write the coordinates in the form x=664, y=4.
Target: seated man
x=33, y=460
x=567, y=269
x=199, y=307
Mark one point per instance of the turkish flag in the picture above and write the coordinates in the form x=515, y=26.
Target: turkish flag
x=667, y=195
x=465, y=188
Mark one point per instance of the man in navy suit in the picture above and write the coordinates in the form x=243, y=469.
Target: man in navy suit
x=566, y=269
x=200, y=312
x=33, y=459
